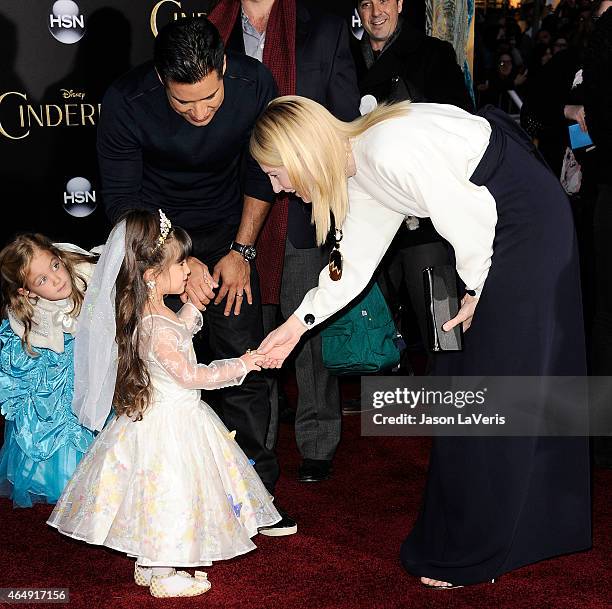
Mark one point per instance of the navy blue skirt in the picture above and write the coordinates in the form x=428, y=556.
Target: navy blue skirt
x=493, y=504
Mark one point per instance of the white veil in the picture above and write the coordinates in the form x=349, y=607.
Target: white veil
x=95, y=348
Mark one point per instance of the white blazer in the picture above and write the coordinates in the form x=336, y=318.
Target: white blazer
x=417, y=165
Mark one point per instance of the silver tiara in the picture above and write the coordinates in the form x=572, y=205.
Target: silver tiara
x=165, y=226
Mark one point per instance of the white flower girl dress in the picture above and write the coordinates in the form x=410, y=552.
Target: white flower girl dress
x=173, y=489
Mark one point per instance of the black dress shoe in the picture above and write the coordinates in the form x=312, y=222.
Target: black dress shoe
x=350, y=407
x=314, y=470
x=286, y=526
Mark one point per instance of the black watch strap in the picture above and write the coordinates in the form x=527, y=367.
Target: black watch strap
x=248, y=252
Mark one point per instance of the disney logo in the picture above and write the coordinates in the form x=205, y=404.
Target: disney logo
x=71, y=93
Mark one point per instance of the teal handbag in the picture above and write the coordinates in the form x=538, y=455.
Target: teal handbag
x=362, y=340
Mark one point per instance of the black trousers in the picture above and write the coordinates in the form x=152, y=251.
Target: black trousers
x=246, y=408
x=318, y=416
x=406, y=266
x=601, y=340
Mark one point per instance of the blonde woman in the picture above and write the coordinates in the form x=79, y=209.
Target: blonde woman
x=492, y=504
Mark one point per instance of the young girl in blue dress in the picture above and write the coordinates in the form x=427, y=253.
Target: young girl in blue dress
x=164, y=481
x=42, y=290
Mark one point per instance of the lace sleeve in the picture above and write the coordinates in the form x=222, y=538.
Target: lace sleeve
x=170, y=350
x=192, y=317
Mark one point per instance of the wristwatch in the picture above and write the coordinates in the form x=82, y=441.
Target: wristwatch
x=247, y=251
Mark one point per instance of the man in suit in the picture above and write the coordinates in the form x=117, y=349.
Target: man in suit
x=308, y=53
x=397, y=62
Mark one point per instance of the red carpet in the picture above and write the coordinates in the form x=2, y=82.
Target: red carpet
x=345, y=555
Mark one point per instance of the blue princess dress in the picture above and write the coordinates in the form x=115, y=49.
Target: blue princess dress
x=43, y=441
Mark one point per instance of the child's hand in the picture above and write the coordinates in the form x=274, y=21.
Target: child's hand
x=252, y=360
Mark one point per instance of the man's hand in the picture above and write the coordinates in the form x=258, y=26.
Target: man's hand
x=280, y=342
x=235, y=275
x=200, y=284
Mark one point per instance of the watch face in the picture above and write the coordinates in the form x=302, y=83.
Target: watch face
x=249, y=252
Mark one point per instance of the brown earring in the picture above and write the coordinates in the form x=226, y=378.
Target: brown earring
x=335, y=258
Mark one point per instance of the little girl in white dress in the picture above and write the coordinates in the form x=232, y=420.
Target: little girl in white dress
x=165, y=481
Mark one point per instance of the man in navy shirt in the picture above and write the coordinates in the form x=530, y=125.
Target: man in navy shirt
x=174, y=134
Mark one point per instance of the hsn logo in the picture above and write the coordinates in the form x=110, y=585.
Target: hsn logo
x=79, y=198
x=66, y=23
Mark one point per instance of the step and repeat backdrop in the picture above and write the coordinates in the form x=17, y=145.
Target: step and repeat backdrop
x=56, y=60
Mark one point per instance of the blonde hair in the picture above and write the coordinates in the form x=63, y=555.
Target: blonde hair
x=15, y=260
x=301, y=135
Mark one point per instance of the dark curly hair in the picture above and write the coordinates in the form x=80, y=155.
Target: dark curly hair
x=142, y=232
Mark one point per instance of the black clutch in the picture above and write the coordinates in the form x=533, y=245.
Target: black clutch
x=442, y=304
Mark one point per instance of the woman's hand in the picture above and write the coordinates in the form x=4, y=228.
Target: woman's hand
x=576, y=113
x=280, y=342
x=464, y=315
x=520, y=79
x=200, y=284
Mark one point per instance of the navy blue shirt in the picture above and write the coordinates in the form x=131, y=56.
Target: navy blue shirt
x=151, y=157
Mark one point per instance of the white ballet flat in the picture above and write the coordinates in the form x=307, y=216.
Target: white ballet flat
x=143, y=575
x=199, y=586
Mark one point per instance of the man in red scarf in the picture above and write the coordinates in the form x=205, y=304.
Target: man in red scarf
x=308, y=54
